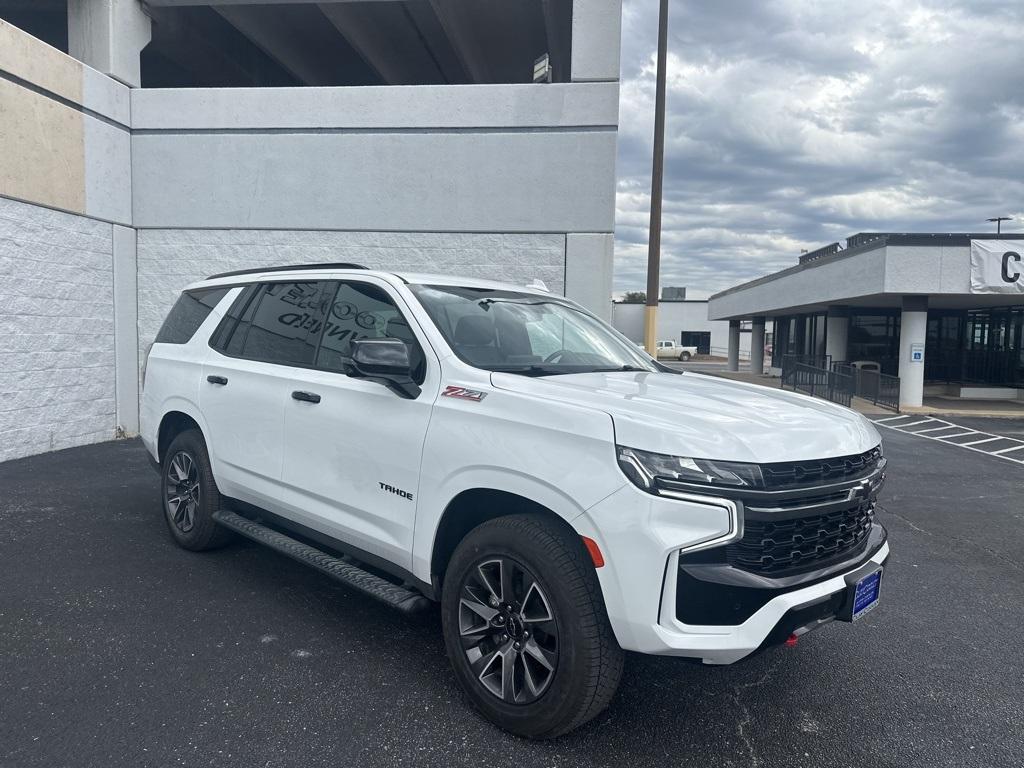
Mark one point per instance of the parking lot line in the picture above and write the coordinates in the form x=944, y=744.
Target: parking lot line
x=1007, y=450
x=891, y=418
x=914, y=423
x=986, y=440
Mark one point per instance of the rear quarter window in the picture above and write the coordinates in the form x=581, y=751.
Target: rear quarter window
x=187, y=314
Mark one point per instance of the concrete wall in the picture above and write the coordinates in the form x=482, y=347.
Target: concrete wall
x=57, y=370
x=65, y=139
x=67, y=300
x=484, y=180
x=420, y=158
x=169, y=259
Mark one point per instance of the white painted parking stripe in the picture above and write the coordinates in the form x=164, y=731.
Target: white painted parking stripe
x=1007, y=450
x=891, y=418
x=986, y=440
x=947, y=439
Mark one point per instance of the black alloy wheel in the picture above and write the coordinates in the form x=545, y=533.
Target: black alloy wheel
x=508, y=630
x=189, y=494
x=182, y=491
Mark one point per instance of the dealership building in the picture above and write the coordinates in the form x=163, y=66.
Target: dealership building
x=144, y=145
x=943, y=312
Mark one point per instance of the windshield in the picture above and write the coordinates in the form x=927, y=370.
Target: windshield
x=524, y=333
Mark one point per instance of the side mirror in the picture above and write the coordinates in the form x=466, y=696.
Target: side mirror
x=386, y=361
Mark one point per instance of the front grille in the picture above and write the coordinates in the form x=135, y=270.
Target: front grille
x=775, y=546
x=796, y=474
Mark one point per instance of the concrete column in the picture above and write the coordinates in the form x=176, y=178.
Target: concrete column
x=588, y=271
x=126, y=331
x=756, y=345
x=734, y=345
x=596, y=35
x=913, y=330
x=837, y=327
x=109, y=35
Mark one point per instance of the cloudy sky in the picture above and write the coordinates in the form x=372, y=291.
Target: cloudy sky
x=796, y=123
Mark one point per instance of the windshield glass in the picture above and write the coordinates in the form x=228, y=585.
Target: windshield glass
x=525, y=333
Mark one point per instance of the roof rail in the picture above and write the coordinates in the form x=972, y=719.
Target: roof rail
x=288, y=268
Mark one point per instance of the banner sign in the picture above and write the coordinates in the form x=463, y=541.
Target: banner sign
x=997, y=266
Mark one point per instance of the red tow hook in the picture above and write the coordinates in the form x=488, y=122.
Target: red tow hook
x=791, y=640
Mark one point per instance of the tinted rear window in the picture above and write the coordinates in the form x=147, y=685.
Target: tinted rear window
x=287, y=323
x=187, y=314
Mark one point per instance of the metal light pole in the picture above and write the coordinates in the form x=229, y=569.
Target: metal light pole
x=657, y=174
x=999, y=222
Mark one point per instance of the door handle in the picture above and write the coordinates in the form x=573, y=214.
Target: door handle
x=306, y=397
x=222, y=380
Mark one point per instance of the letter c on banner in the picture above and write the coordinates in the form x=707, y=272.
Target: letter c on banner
x=1007, y=276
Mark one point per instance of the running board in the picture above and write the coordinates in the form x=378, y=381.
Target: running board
x=400, y=598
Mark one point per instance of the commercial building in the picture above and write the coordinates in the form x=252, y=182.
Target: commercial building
x=145, y=145
x=682, y=318
x=944, y=312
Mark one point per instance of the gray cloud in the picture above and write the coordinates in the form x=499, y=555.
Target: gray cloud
x=792, y=124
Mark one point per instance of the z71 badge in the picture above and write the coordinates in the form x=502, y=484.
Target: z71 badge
x=464, y=394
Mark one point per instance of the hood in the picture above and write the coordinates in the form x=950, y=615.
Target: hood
x=707, y=417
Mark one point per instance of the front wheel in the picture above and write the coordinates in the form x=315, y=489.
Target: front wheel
x=526, y=629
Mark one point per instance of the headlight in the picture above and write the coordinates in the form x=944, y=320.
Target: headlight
x=645, y=468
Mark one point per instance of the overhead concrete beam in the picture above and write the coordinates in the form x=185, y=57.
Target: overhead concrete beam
x=196, y=48
x=270, y=31
x=464, y=41
x=387, y=39
x=183, y=3
x=436, y=39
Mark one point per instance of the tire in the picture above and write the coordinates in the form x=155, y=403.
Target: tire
x=563, y=618
x=186, y=475
x=684, y=357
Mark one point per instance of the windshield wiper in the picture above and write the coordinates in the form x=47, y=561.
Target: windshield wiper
x=534, y=370
x=623, y=369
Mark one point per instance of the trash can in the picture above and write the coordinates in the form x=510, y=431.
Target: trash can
x=866, y=375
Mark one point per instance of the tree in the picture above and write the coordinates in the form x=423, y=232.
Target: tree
x=634, y=297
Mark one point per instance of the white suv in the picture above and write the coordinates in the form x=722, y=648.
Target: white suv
x=502, y=451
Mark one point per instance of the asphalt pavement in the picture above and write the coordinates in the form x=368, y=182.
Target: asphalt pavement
x=119, y=649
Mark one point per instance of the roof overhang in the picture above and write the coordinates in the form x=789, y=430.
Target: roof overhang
x=877, y=273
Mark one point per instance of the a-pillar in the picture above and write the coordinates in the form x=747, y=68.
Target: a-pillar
x=109, y=35
x=757, y=345
x=734, y=345
x=837, y=331
x=913, y=330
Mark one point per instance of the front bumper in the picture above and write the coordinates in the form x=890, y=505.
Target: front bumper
x=648, y=595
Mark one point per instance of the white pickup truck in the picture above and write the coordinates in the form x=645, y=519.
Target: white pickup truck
x=669, y=350
x=503, y=452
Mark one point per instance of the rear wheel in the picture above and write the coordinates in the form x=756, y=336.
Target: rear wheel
x=190, y=495
x=684, y=357
x=526, y=629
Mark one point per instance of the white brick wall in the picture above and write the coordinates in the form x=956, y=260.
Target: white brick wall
x=57, y=327
x=169, y=259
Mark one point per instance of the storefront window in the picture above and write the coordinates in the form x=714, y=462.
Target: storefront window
x=875, y=336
